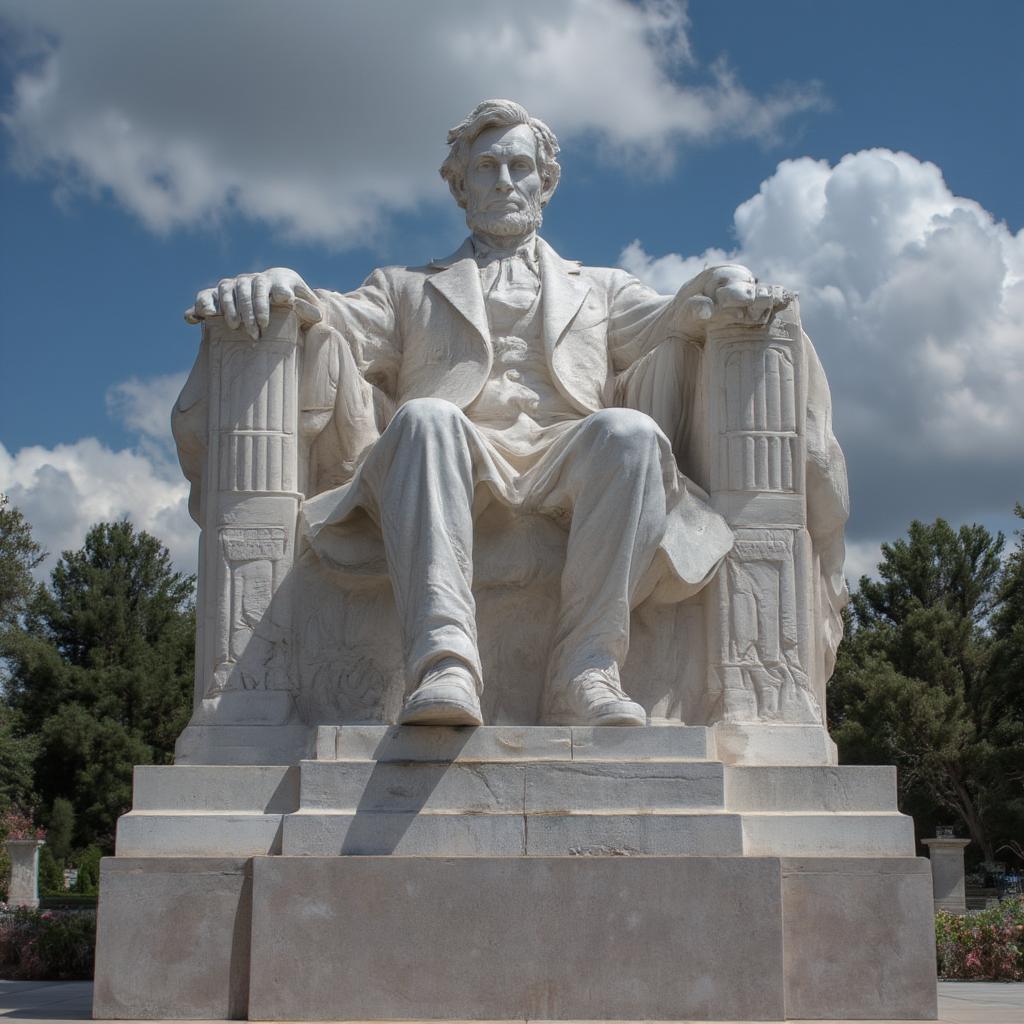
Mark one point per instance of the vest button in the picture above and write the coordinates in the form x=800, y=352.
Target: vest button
x=513, y=375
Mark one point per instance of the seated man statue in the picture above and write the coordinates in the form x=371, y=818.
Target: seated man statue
x=493, y=374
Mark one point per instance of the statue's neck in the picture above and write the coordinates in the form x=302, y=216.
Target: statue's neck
x=505, y=243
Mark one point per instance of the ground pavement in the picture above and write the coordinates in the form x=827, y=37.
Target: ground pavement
x=974, y=1002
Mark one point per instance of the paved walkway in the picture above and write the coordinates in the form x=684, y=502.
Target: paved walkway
x=974, y=1002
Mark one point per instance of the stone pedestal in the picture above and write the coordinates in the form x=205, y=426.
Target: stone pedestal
x=515, y=873
x=948, y=885
x=24, y=888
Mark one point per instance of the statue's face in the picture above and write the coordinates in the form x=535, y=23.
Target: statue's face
x=503, y=185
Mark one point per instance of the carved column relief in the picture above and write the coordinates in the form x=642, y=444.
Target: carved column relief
x=760, y=640
x=250, y=505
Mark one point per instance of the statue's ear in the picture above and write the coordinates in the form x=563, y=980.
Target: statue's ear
x=549, y=182
x=458, y=190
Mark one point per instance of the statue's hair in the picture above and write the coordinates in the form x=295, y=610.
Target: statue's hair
x=498, y=114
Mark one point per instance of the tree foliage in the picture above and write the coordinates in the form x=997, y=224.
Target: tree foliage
x=19, y=555
x=101, y=674
x=929, y=678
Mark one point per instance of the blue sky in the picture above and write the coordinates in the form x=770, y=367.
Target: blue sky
x=150, y=149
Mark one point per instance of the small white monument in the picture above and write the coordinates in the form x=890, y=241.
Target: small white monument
x=23, y=890
x=520, y=585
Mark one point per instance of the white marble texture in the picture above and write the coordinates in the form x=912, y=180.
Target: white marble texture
x=616, y=506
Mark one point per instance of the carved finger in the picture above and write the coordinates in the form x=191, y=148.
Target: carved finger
x=699, y=307
x=308, y=313
x=281, y=295
x=737, y=293
x=226, y=302
x=303, y=291
x=243, y=303
x=191, y=317
x=205, y=304
x=261, y=299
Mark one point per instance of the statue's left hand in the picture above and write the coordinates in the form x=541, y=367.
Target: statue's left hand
x=732, y=293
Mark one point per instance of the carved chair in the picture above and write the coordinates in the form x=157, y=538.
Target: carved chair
x=285, y=645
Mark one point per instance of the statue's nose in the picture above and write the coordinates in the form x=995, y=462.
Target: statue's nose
x=504, y=183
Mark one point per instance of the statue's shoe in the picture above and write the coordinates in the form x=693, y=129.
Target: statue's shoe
x=596, y=697
x=446, y=696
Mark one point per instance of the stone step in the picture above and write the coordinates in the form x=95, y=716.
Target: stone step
x=496, y=787
x=192, y=834
x=432, y=834
x=392, y=743
x=254, y=788
x=828, y=835
x=816, y=788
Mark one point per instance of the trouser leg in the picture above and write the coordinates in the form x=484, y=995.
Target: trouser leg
x=420, y=474
x=614, y=479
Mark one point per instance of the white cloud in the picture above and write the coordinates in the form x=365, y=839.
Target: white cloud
x=862, y=558
x=64, y=490
x=915, y=300
x=320, y=118
x=144, y=406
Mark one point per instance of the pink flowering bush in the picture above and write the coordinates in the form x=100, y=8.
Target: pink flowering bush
x=48, y=945
x=17, y=824
x=987, y=945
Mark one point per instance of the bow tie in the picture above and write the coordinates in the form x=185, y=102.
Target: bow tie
x=485, y=254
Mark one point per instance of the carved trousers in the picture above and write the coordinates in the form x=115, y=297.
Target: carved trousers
x=612, y=475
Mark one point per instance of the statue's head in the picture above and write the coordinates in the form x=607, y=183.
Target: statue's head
x=501, y=167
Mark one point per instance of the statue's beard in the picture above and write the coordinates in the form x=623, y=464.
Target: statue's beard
x=505, y=223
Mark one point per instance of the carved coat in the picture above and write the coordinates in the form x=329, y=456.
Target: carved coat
x=423, y=332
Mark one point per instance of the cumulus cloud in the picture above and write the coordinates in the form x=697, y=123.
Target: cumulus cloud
x=320, y=118
x=915, y=300
x=64, y=490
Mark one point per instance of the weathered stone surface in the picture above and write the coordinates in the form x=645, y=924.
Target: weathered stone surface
x=173, y=938
x=859, y=938
x=771, y=743
x=267, y=789
x=203, y=834
x=511, y=835
x=949, y=888
x=443, y=743
x=814, y=788
x=828, y=835
x=622, y=786
x=549, y=938
x=661, y=743
x=23, y=884
x=424, y=834
x=624, y=834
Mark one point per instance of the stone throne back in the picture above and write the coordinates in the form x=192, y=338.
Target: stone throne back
x=285, y=644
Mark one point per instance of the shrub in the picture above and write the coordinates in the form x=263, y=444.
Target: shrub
x=987, y=945
x=51, y=873
x=88, y=881
x=48, y=945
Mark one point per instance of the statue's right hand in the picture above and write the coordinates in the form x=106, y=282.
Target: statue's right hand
x=246, y=300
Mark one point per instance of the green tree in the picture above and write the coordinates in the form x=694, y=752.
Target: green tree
x=102, y=672
x=60, y=829
x=51, y=874
x=1005, y=695
x=19, y=555
x=88, y=881
x=914, y=679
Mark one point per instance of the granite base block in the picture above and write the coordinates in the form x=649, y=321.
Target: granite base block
x=173, y=938
x=600, y=937
x=628, y=938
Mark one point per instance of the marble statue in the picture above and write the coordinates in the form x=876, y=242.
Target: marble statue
x=460, y=529
x=506, y=376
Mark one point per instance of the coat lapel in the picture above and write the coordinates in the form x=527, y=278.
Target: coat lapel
x=459, y=283
x=562, y=293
